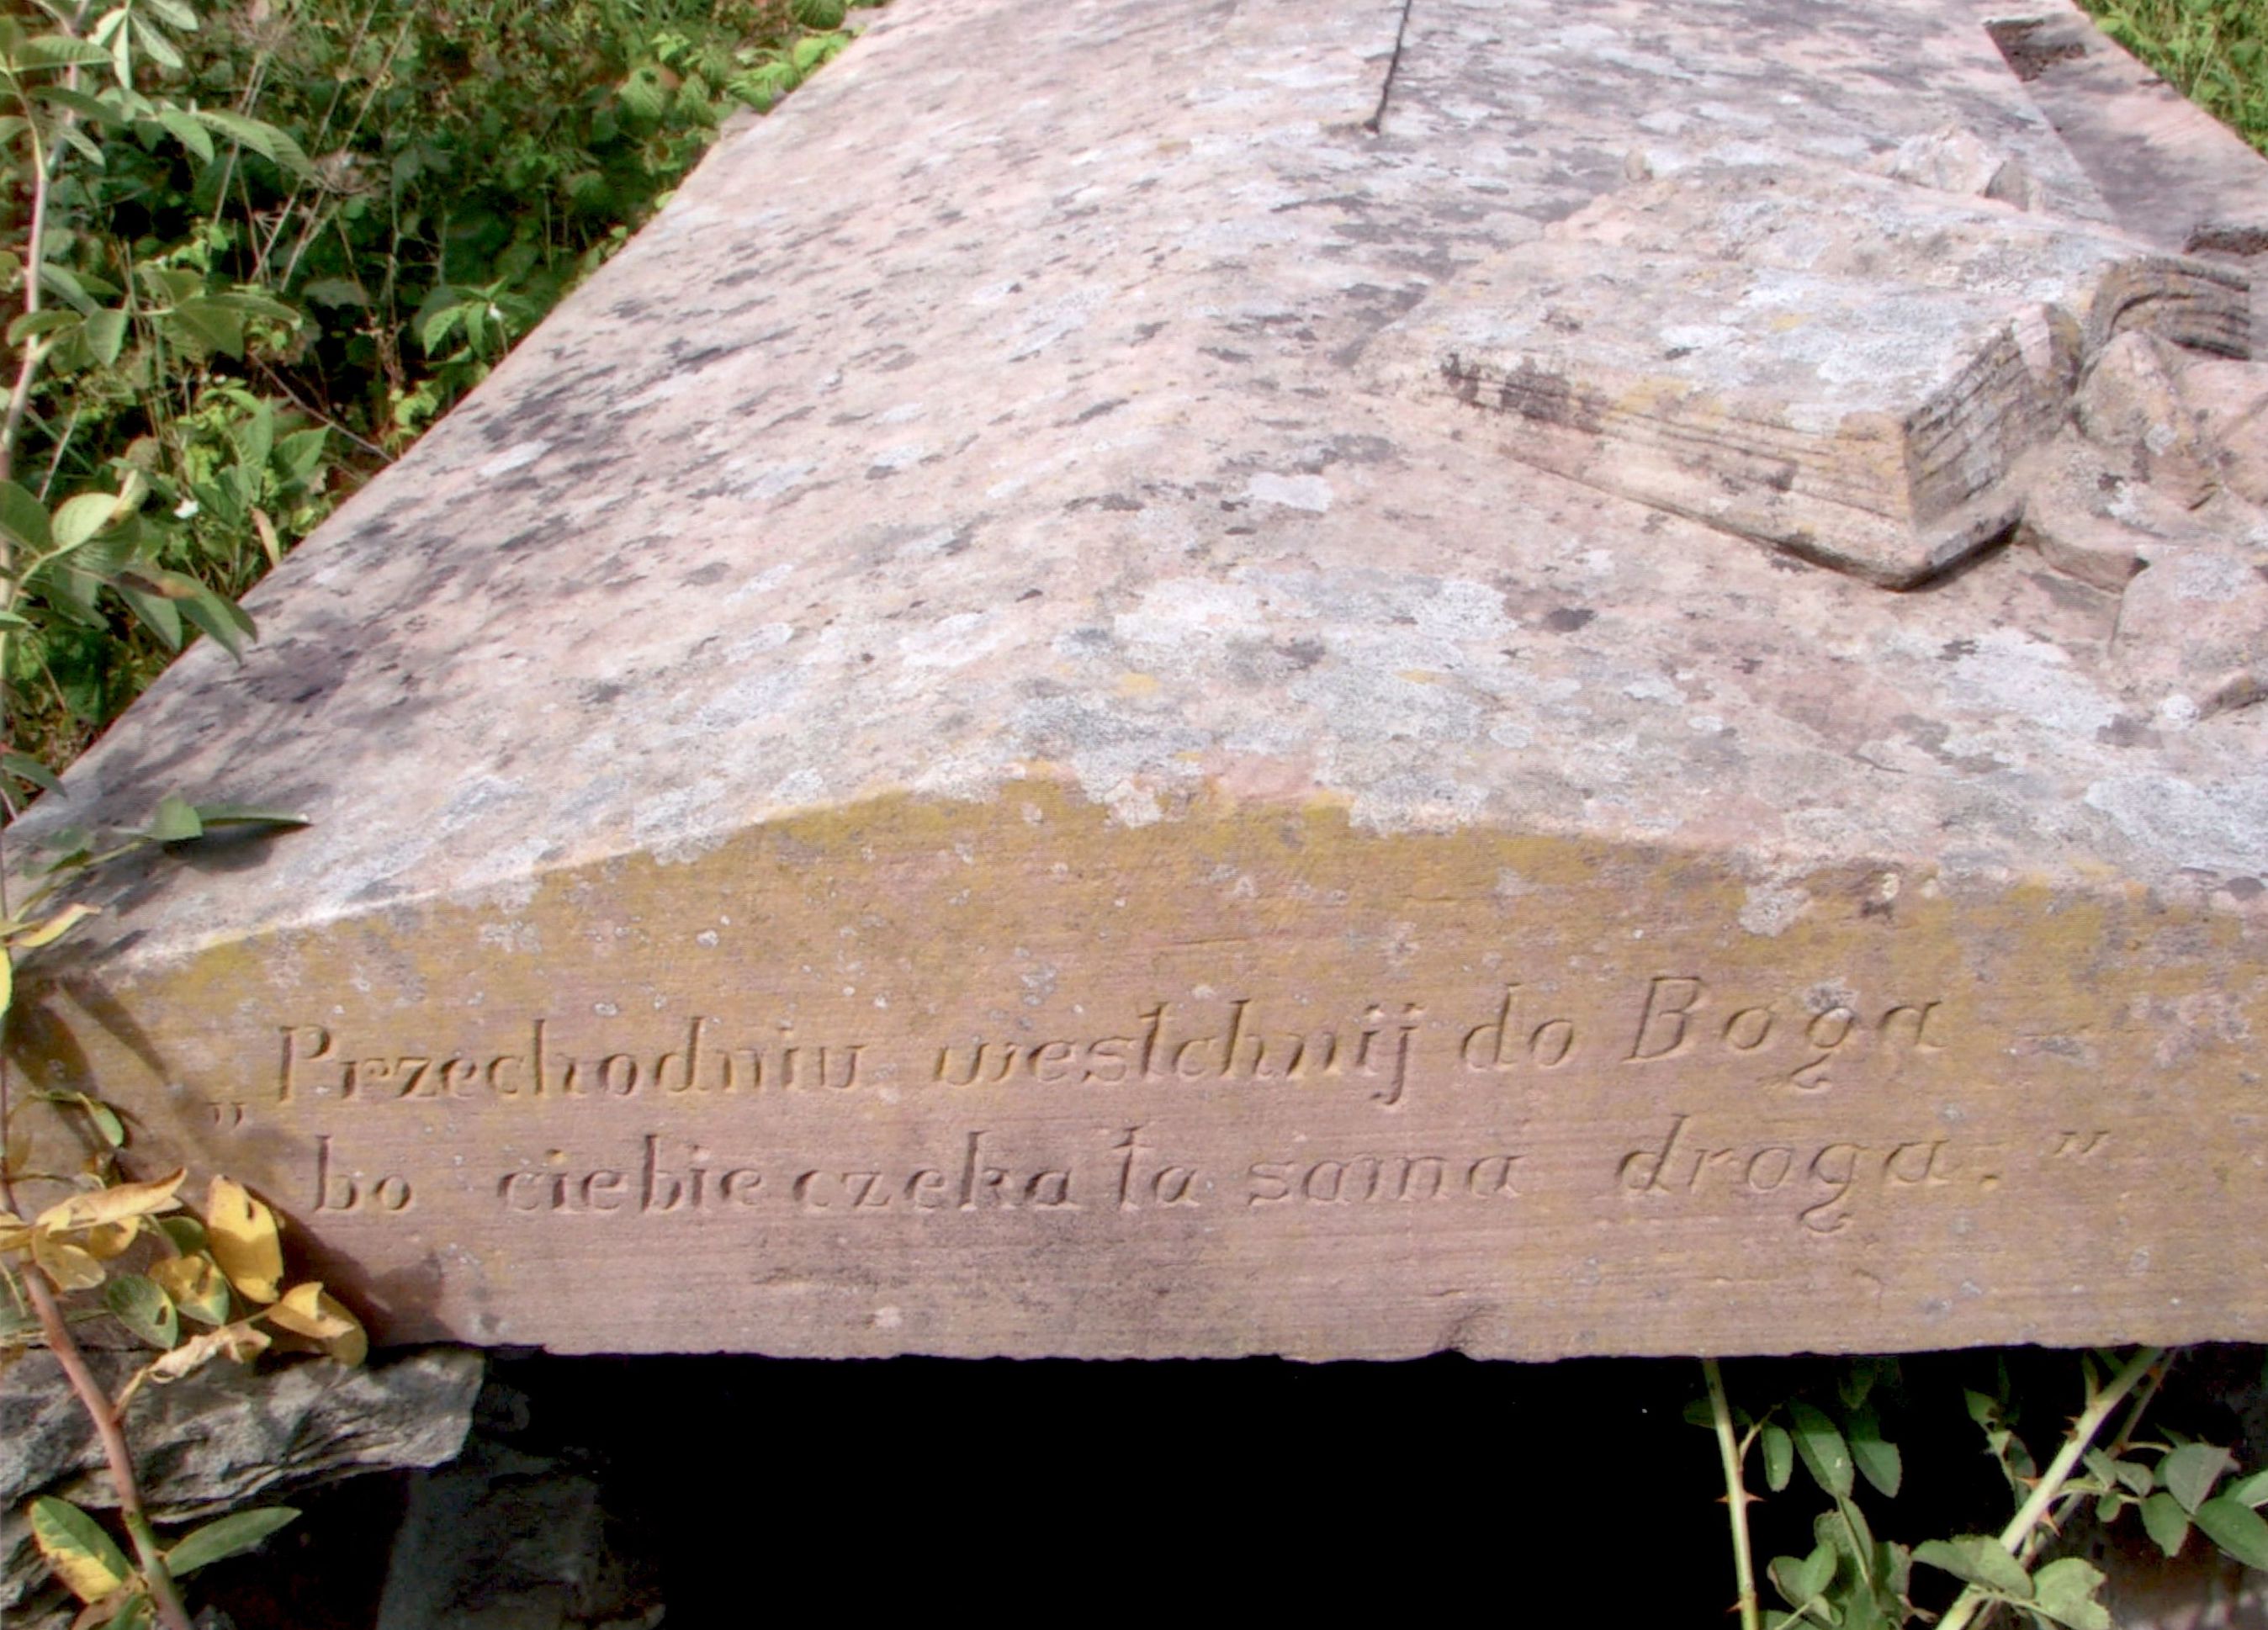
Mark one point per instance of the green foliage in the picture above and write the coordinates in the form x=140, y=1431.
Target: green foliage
x=252, y=250
x=1853, y=1579
x=2215, y=52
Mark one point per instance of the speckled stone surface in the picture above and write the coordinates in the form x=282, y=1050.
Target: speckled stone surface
x=945, y=761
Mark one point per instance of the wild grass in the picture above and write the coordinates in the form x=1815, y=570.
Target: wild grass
x=2215, y=52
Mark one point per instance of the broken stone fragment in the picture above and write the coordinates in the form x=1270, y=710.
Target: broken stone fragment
x=2094, y=521
x=2130, y=406
x=2099, y=524
x=2231, y=400
x=1952, y=159
x=2193, y=628
x=1838, y=364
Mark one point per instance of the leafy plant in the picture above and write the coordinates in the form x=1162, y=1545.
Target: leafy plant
x=2215, y=52
x=251, y=252
x=1853, y=1580
x=193, y=1289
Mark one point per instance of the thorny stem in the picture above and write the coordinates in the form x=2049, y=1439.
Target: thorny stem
x=2075, y=1445
x=1736, y=1495
x=2116, y=1446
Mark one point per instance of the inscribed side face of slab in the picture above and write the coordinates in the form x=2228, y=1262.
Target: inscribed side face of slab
x=1010, y=1079
x=971, y=752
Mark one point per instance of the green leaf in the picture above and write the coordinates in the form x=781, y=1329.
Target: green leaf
x=1979, y=1558
x=1848, y=1523
x=808, y=53
x=187, y=1233
x=2237, y=1529
x=23, y=767
x=1801, y=1580
x=1824, y=1453
x=82, y=1555
x=642, y=93
x=210, y=325
x=33, y=324
x=155, y=612
x=2251, y=1491
x=64, y=284
x=1780, y=1458
x=139, y=1613
x=255, y=437
x=252, y=303
x=154, y=43
x=176, y=821
x=245, y=815
x=59, y=51
x=219, y=617
x=81, y=518
x=93, y=109
x=2064, y=1590
x=106, y=335
x=184, y=128
x=1878, y=1461
x=173, y=13
x=106, y=1118
x=167, y=284
x=76, y=140
x=259, y=137
x=143, y=1309
x=2165, y=1522
x=2190, y=1471
x=24, y=518
x=231, y=1536
x=301, y=453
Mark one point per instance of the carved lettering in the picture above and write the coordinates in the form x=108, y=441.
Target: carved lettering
x=1823, y=1177
x=302, y=1044
x=339, y=1188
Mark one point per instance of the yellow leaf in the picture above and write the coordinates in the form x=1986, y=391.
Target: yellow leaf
x=32, y=937
x=240, y=1342
x=85, y=1558
x=197, y=1286
x=114, y=1204
x=241, y=1233
x=309, y=1310
x=108, y=1240
x=69, y=1267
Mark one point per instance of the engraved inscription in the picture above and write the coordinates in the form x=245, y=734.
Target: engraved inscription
x=1240, y=1046
x=1821, y=1179
x=1475, y=1058
x=314, y=1064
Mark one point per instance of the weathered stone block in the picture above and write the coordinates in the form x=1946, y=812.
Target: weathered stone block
x=968, y=752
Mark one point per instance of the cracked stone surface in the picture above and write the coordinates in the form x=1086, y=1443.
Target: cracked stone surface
x=952, y=758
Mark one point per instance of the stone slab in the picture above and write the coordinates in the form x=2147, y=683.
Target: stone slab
x=943, y=762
